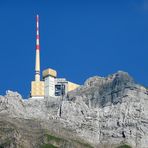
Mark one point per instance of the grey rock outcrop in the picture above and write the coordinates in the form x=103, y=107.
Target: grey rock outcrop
x=104, y=113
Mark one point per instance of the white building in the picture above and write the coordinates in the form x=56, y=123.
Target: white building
x=54, y=86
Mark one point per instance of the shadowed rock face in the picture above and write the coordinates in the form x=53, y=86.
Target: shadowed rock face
x=100, y=92
x=104, y=112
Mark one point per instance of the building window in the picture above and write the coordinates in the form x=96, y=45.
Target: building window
x=59, y=90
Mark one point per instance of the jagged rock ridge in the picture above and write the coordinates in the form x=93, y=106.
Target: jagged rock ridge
x=104, y=112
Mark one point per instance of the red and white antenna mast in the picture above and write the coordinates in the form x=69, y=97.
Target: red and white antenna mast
x=37, y=65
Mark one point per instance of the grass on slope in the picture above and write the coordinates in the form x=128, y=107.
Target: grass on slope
x=56, y=142
x=124, y=146
x=51, y=137
x=48, y=146
x=5, y=144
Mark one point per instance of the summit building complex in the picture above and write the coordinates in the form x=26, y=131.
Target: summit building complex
x=50, y=85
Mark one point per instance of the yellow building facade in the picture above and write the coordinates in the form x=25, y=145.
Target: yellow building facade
x=37, y=89
x=72, y=86
x=49, y=72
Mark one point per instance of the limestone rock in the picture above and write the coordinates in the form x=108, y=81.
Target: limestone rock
x=104, y=112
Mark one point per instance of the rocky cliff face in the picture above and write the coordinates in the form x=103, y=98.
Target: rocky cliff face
x=103, y=113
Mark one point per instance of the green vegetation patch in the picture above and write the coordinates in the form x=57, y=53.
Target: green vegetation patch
x=86, y=145
x=6, y=143
x=56, y=142
x=48, y=146
x=3, y=145
x=52, y=141
x=124, y=146
x=51, y=137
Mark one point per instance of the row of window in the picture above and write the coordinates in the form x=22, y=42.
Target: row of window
x=60, y=90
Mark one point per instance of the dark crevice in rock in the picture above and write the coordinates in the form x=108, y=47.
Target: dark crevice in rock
x=123, y=134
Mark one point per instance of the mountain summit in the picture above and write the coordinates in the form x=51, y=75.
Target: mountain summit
x=106, y=112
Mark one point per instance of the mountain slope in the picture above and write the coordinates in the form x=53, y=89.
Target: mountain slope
x=104, y=112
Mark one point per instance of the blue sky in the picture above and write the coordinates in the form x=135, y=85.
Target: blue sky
x=78, y=38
